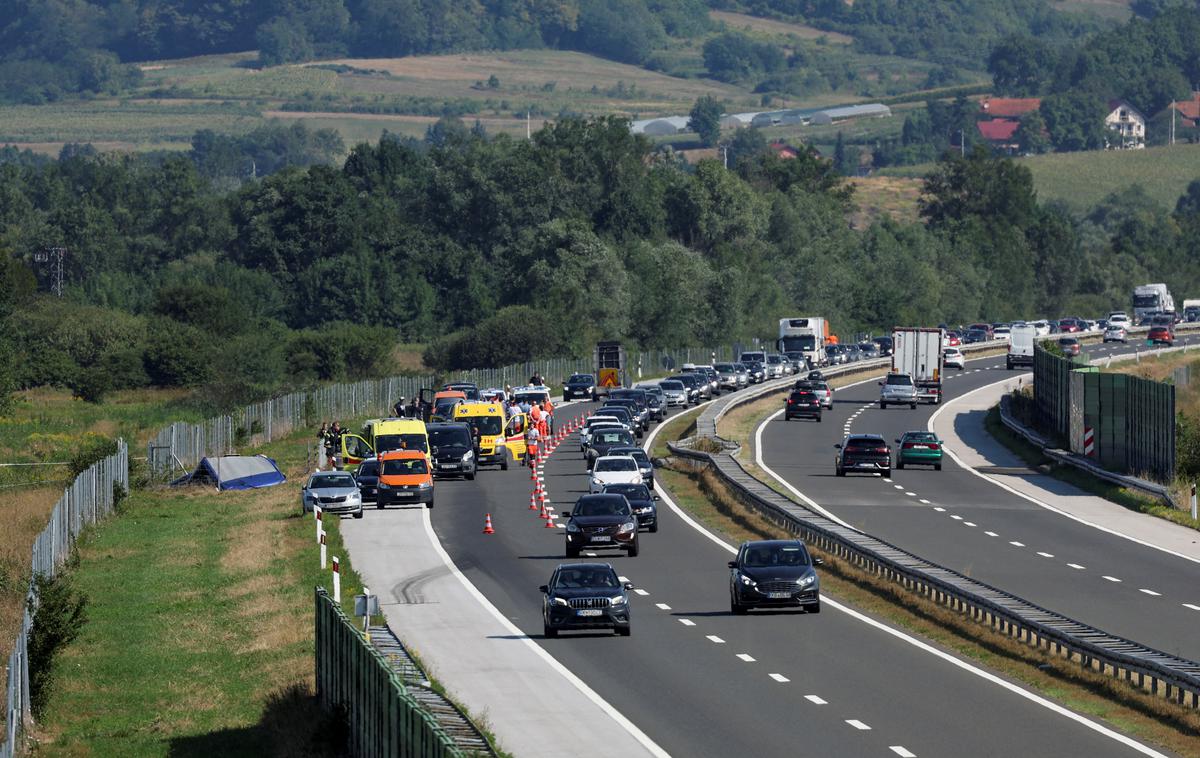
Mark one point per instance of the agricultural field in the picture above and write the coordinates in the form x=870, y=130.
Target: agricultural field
x=879, y=196
x=1114, y=10
x=744, y=23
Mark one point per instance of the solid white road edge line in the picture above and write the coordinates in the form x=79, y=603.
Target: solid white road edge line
x=920, y=645
x=1032, y=499
x=538, y=650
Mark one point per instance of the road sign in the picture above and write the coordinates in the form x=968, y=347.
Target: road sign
x=610, y=378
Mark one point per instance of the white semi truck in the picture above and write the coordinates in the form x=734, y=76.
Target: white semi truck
x=1151, y=298
x=917, y=352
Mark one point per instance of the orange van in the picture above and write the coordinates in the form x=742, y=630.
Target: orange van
x=404, y=477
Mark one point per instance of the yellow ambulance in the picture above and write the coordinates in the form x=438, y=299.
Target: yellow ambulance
x=500, y=435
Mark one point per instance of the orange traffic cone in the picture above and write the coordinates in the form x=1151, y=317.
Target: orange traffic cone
x=487, y=525
x=550, y=523
x=544, y=514
x=533, y=501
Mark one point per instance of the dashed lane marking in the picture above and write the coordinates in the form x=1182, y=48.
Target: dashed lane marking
x=923, y=500
x=746, y=657
x=1193, y=607
x=641, y=592
x=1151, y=593
x=969, y=523
x=897, y=486
x=779, y=677
x=858, y=725
x=816, y=700
x=1014, y=543
x=687, y=622
x=1076, y=566
x=991, y=534
x=911, y=494
x=663, y=606
x=1046, y=555
x=939, y=509
x=590, y=555
x=956, y=517
x=622, y=579
x=1111, y=578
x=716, y=639
x=902, y=751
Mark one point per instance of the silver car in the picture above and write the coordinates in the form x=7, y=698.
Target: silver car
x=743, y=374
x=675, y=392
x=1116, y=333
x=727, y=376
x=334, y=492
x=776, y=367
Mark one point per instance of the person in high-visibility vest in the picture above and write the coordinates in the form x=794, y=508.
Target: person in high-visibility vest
x=548, y=412
x=543, y=427
x=532, y=435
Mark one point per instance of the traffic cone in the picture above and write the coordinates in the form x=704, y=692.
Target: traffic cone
x=544, y=513
x=487, y=525
x=532, y=473
x=533, y=501
x=550, y=524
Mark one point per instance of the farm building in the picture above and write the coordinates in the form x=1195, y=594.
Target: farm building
x=659, y=127
x=867, y=110
x=1009, y=107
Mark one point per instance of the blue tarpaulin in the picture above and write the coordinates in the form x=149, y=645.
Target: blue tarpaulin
x=236, y=472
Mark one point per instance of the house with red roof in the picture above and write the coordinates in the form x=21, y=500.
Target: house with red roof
x=1000, y=133
x=1009, y=107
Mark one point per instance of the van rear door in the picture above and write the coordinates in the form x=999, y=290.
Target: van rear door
x=514, y=435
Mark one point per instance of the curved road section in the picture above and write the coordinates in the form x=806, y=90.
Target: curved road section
x=969, y=523
x=692, y=680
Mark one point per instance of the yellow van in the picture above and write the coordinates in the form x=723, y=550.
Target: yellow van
x=499, y=435
x=380, y=436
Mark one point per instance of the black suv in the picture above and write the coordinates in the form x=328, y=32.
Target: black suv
x=585, y=596
x=367, y=477
x=863, y=452
x=452, y=449
x=774, y=573
x=601, y=521
x=803, y=403
x=580, y=386
x=641, y=397
x=639, y=412
x=625, y=413
x=641, y=500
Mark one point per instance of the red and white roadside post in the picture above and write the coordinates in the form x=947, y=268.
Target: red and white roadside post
x=323, y=548
x=317, y=519
x=1089, y=442
x=337, y=581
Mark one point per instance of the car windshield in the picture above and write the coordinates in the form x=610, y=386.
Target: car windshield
x=863, y=443
x=602, y=506
x=897, y=380
x=774, y=359
x=405, y=467
x=445, y=405
x=331, y=481
x=579, y=577
x=630, y=491
x=487, y=425
x=385, y=442
x=581, y=379
x=449, y=437
x=762, y=556
x=370, y=468
x=612, y=437
x=531, y=397
x=952, y=352
x=725, y=368
x=671, y=384
x=616, y=464
x=1068, y=341
x=470, y=390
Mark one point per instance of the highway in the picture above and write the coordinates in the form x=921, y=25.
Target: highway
x=969, y=524
x=701, y=682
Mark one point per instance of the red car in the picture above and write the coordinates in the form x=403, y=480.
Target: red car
x=1161, y=335
x=987, y=328
x=952, y=340
x=1069, y=345
x=1069, y=326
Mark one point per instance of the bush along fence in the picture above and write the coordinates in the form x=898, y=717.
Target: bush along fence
x=91, y=497
x=355, y=682
x=1125, y=423
x=180, y=447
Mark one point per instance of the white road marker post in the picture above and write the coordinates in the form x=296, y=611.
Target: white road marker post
x=367, y=614
x=1193, y=501
x=337, y=582
x=323, y=548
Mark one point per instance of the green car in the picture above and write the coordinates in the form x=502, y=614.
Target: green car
x=919, y=447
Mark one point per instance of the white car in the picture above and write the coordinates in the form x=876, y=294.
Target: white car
x=1042, y=327
x=1119, y=318
x=1002, y=333
x=952, y=356
x=614, y=469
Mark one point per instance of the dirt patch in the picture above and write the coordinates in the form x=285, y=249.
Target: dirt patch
x=879, y=196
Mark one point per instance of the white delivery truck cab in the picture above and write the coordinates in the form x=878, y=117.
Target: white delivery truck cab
x=1020, y=346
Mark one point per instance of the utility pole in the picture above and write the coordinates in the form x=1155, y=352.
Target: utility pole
x=53, y=256
x=528, y=133
x=1172, y=122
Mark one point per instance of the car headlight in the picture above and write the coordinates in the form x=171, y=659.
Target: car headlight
x=469, y=456
x=628, y=526
x=560, y=601
x=572, y=527
x=804, y=581
x=597, y=482
x=425, y=485
x=747, y=580
x=384, y=486
x=617, y=600
x=355, y=497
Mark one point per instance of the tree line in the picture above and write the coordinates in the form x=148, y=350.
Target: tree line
x=496, y=250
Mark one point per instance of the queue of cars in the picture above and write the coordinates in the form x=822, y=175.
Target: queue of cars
x=870, y=453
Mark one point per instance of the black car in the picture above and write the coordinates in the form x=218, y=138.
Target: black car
x=697, y=385
x=601, y=522
x=774, y=574
x=869, y=350
x=641, y=500
x=641, y=397
x=604, y=439
x=758, y=371
x=639, y=410
x=624, y=414
x=585, y=596
x=580, y=386
x=367, y=477
x=645, y=465
x=452, y=449
x=863, y=452
x=803, y=403
x=974, y=336
x=884, y=344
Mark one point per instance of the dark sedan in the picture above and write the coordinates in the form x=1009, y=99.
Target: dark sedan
x=803, y=403
x=643, y=502
x=601, y=521
x=863, y=452
x=583, y=596
x=774, y=573
x=367, y=477
x=580, y=387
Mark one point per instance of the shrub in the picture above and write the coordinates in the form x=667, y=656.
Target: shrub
x=1187, y=447
x=58, y=616
x=91, y=384
x=93, y=448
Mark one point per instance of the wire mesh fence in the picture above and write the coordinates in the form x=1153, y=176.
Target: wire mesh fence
x=90, y=498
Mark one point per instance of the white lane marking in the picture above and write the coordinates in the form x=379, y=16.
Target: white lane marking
x=1014, y=543
x=687, y=622
x=1193, y=607
x=622, y=579
x=590, y=555
x=1076, y=566
x=896, y=633
x=663, y=606
x=897, y=486
x=537, y=649
x=969, y=523
x=746, y=657
x=816, y=700
x=715, y=638
x=1110, y=578
x=911, y=494
x=1152, y=593
x=956, y=517
x=923, y=500
x=641, y=592
x=779, y=677
x=902, y=751
x=560, y=526
x=858, y=725
x=939, y=509
x=1045, y=555
x=1030, y=498
x=889, y=481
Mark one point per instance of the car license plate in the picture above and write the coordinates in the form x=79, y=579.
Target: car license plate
x=405, y=494
x=601, y=539
x=920, y=447
x=590, y=612
x=779, y=595
x=446, y=466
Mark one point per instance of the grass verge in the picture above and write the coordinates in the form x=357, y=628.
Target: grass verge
x=1122, y=496
x=1128, y=710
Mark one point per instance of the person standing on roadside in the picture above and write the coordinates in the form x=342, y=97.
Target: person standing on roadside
x=532, y=437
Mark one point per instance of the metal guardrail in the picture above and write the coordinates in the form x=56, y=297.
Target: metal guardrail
x=89, y=499
x=1151, y=670
x=355, y=681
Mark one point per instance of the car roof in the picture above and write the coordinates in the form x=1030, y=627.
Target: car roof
x=871, y=437
x=612, y=457
x=608, y=566
x=771, y=543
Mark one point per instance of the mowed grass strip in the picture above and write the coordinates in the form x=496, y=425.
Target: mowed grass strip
x=199, y=639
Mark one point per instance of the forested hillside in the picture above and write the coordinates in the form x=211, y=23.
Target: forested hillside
x=500, y=249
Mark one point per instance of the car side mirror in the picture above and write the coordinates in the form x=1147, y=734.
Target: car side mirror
x=544, y=589
x=733, y=564
x=565, y=514
x=654, y=496
x=818, y=561
x=838, y=446
x=628, y=585
x=880, y=384
x=897, y=441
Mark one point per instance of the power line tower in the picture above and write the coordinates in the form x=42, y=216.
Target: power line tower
x=53, y=256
